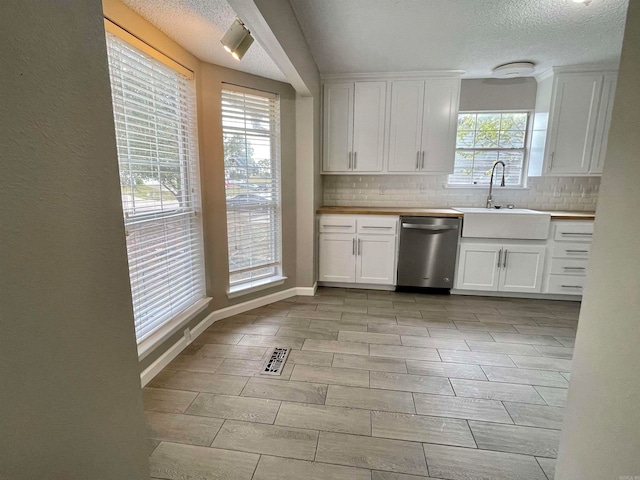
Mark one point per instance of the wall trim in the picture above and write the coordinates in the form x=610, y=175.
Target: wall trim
x=172, y=352
x=536, y=296
x=367, y=286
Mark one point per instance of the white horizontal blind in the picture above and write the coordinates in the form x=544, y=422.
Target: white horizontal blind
x=251, y=136
x=482, y=139
x=155, y=119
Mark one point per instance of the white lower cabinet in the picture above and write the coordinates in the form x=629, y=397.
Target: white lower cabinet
x=354, y=257
x=500, y=267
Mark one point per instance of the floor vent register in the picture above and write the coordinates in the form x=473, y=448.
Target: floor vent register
x=275, y=362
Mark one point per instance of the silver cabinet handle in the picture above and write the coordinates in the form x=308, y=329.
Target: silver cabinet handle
x=574, y=268
x=353, y=248
x=505, y=258
x=553, y=154
x=367, y=226
x=349, y=168
x=355, y=160
x=359, y=251
x=570, y=234
x=499, y=257
x=417, y=160
x=571, y=286
x=423, y=159
x=577, y=251
x=336, y=226
x=419, y=226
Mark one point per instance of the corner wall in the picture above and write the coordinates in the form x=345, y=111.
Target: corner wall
x=601, y=433
x=71, y=406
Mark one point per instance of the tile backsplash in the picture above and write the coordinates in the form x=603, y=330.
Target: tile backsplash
x=542, y=193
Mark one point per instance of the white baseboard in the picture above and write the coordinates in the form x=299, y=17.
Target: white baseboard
x=172, y=352
x=307, y=291
x=535, y=296
x=362, y=286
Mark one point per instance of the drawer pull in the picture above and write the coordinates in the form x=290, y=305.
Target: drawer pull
x=336, y=226
x=574, y=268
x=353, y=247
x=366, y=226
x=577, y=251
x=571, y=286
x=578, y=234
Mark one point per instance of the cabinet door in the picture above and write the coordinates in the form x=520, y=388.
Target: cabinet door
x=439, y=125
x=369, y=114
x=376, y=259
x=522, y=268
x=405, y=126
x=604, y=122
x=574, y=117
x=337, y=257
x=337, y=127
x=478, y=267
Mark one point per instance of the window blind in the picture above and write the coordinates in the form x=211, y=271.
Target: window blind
x=251, y=137
x=155, y=123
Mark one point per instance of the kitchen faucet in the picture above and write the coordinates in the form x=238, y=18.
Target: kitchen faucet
x=490, y=197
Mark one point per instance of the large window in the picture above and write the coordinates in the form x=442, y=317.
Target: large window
x=155, y=119
x=483, y=138
x=251, y=137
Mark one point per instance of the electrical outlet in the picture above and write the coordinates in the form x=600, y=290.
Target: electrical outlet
x=187, y=335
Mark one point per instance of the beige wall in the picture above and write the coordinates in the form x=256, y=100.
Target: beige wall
x=601, y=433
x=70, y=401
x=209, y=84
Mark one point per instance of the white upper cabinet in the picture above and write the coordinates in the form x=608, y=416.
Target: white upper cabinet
x=579, y=118
x=354, y=126
x=411, y=129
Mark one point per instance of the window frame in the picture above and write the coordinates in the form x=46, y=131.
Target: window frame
x=526, y=149
x=276, y=277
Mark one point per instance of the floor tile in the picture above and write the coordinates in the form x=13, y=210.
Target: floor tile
x=369, y=319
x=322, y=299
x=421, y=322
x=503, y=348
x=271, y=341
x=462, y=407
x=394, y=312
x=369, y=303
x=303, y=333
x=528, y=339
x=367, y=452
x=410, y=383
x=556, y=397
x=248, y=329
x=315, y=315
x=429, y=314
x=485, y=327
x=365, y=362
x=378, y=475
x=267, y=439
x=536, y=415
x=420, y=428
x=540, y=442
x=368, y=337
x=430, y=342
x=330, y=375
x=458, y=463
x=270, y=468
x=442, y=369
x=231, y=351
x=334, y=326
x=566, y=341
x=303, y=392
x=342, y=308
x=399, y=329
x=206, y=382
x=535, y=330
x=334, y=346
x=556, y=352
x=370, y=399
x=496, y=391
x=476, y=358
x=179, y=428
x=510, y=319
x=187, y=462
x=460, y=334
x=542, y=363
x=316, y=359
x=164, y=400
x=324, y=417
x=548, y=466
x=282, y=321
x=525, y=376
x=414, y=353
x=162, y=378
x=219, y=337
x=191, y=363
x=237, y=408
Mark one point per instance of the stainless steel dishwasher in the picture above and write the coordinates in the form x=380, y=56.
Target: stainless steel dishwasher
x=428, y=249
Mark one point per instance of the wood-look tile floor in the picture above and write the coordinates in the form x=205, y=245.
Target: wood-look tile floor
x=378, y=386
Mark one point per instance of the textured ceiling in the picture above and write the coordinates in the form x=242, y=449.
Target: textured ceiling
x=198, y=25
x=359, y=36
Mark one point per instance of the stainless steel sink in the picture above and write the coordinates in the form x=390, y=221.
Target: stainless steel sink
x=512, y=223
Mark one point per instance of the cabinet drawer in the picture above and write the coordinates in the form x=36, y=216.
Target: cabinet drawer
x=568, y=266
x=374, y=225
x=337, y=224
x=570, y=250
x=574, y=232
x=569, y=284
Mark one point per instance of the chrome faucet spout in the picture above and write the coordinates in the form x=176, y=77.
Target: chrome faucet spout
x=502, y=184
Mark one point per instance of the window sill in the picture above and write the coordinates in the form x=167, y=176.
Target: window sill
x=255, y=286
x=171, y=328
x=496, y=188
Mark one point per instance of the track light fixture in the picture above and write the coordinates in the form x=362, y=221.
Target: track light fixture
x=237, y=40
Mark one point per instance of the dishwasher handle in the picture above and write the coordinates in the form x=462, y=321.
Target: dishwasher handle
x=433, y=228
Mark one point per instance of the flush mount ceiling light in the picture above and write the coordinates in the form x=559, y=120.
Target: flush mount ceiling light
x=585, y=2
x=237, y=40
x=514, y=69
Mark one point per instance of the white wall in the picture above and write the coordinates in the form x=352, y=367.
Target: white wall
x=70, y=399
x=601, y=433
